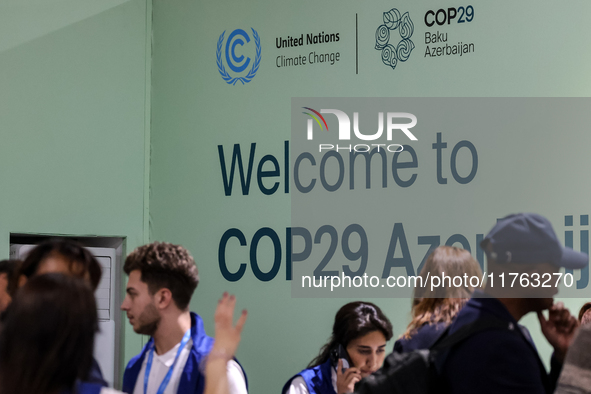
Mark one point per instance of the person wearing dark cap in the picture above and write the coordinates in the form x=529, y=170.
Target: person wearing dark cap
x=505, y=360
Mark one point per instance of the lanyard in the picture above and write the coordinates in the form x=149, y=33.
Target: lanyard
x=166, y=379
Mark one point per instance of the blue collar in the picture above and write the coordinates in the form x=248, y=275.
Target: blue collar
x=191, y=378
x=318, y=379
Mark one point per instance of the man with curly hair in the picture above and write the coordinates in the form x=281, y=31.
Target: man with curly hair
x=162, y=279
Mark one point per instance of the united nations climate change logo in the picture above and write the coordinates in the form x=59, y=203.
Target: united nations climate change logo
x=393, y=23
x=237, y=62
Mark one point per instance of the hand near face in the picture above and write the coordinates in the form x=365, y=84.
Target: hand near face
x=559, y=329
x=227, y=336
x=346, y=380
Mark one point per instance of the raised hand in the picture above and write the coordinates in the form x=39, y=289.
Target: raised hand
x=227, y=336
x=559, y=329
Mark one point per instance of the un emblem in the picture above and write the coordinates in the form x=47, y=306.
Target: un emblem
x=393, y=23
x=237, y=63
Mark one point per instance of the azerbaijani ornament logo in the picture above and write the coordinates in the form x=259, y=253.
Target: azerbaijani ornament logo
x=397, y=26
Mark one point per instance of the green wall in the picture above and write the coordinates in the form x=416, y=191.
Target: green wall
x=74, y=108
x=101, y=138
x=519, y=52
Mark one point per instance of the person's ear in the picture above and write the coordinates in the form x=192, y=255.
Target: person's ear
x=21, y=281
x=163, y=298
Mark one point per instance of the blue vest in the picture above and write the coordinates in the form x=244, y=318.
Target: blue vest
x=84, y=388
x=318, y=379
x=192, y=380
x=93, y=385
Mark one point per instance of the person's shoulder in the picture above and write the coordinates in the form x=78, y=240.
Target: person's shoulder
x=493, y=362
x=499, y=352
x=235, y=372
x=297, y=385
x=489, y=345
x=472, y=311
x=107, y=390
x=423, y=338
x=303, y=376
x=236, y=378
x=488, y=309
x=495, y=341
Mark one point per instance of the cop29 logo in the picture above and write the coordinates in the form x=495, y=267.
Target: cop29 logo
x=235, y=57
x=396, y=25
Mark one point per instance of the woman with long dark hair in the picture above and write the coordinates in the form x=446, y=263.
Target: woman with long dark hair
x=434, y=308
x=47, y=338
x=61, y=256
x=359, y=335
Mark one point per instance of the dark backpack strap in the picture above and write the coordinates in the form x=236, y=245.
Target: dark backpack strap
x=446, y=340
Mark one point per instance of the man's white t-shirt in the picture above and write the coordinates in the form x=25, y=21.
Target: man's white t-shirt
x=162, y=363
